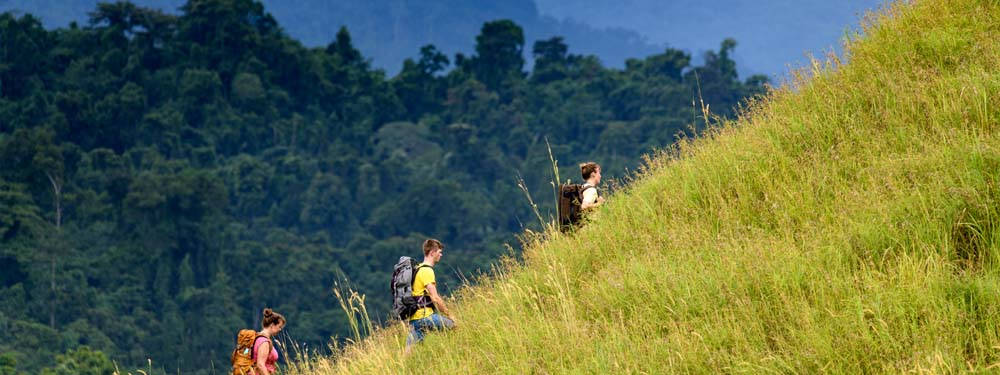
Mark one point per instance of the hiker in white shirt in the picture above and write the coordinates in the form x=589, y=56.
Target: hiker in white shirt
x=591, y=173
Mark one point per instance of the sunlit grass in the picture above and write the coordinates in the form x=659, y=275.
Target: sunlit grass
x=847, y=224
x=147, y=371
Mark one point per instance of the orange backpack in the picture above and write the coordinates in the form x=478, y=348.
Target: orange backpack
x=243, y=355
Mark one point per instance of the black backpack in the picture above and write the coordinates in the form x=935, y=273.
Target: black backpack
x=404, y=303
x=570, y=198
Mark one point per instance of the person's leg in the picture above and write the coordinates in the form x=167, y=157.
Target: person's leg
x=441, y=322
x=420, y=326
x=416, y=333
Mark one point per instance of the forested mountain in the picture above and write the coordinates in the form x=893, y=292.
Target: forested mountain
x=166, y=176
x=388, y=31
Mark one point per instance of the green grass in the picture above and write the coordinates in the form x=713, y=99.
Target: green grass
x=847, y=224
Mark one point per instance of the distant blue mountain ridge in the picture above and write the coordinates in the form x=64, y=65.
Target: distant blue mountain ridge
x=771, y=35
x=389, y=31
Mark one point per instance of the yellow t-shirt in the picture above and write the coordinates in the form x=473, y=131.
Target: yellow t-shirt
x=425, y=276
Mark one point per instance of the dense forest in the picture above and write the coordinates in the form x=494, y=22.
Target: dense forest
x=165, y=177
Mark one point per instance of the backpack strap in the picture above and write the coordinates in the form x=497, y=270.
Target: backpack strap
x=424, y=300
x=586, y=187
x=253, y=348
x=417, y=270
x=422, y=265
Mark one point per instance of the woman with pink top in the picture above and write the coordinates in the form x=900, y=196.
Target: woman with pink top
x=266, y=356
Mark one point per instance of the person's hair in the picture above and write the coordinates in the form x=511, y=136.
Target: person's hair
x=271, y=318
x=431, y=244
x=588, y=168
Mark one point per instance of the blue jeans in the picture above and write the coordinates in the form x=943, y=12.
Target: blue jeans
x=433, y=322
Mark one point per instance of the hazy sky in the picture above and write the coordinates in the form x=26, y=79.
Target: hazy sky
x=772, y=34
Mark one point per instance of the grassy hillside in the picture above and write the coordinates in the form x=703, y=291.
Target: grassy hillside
x=846, y=225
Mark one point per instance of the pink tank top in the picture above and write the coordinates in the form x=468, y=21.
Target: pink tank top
x=272, y=359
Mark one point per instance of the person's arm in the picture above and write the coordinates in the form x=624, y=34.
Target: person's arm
x=590, y=199
x=436, y=298
x=263, y=351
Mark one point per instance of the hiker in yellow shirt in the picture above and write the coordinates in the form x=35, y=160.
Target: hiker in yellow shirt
x=424, y=284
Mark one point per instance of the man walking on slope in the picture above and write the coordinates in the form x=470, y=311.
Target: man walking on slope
x=591, y=173
x=428, y=318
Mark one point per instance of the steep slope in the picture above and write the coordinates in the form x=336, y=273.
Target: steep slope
x=848, y=225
